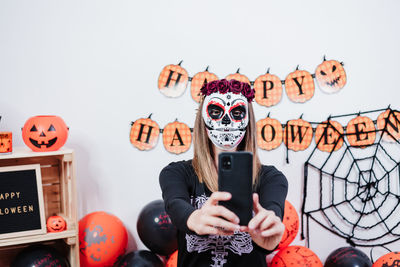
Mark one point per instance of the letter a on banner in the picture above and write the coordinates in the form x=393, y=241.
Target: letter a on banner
x=144, y=133
x=269, y=133
x=298, y=134
x=177, y=137
x=173, y=80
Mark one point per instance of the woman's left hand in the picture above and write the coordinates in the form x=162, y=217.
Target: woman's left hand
x=265, y=228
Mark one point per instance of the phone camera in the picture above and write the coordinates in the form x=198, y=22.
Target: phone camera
x=226, y=163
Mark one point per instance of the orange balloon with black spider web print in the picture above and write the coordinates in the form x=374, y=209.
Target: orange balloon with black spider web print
x=295, y=256
x=391, y=259
x=388, y=124
x=268, y=89
x=173, y=80
x=238, y=77
x=269, y=133
x=197, y=82
x=360, y=132
x=330, y=76
x=144, y=133
x=297, y=134
x=177, y=137
x=329, y=136
x=291, y=222
x=299, y=86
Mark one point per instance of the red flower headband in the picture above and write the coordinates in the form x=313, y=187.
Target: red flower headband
x=223, y=86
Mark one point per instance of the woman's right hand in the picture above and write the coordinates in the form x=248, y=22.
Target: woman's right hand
x=212, y=219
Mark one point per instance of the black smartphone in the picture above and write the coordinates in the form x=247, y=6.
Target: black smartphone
x=235, y=172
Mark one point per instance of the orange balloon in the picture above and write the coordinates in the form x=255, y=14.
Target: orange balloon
x=173, y=260
x=291, y=222
x=102, y=239
x=295, y=256
x=387, y=260
x=45, y=133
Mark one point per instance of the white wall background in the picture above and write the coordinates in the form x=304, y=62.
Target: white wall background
x=96, y=64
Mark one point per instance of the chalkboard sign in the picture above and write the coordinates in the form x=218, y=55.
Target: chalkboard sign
x=21, y=201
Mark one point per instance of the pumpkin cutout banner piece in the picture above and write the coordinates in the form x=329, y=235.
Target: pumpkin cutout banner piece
x=238, y=77
x=45, y=133
x=269, y=133
x=329, y=136
x=173, y=80
x=102, y=239
x=268, y=89
x=388, y=123
x=295, y=256
x=144, y=133
x=388, y=260
x=291, y=222
x=197, y=82
x=298, y=134
x=5, y=142
x=56, y=224
x=330, y=76
x=177, y=137
x=299, y=86
x=361, y=132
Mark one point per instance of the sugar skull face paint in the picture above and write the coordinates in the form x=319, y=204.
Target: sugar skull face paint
x=226, y=118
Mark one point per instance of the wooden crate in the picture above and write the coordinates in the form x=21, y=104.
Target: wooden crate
x=59, y=194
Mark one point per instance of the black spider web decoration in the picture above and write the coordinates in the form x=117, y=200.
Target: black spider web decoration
x=359, y=188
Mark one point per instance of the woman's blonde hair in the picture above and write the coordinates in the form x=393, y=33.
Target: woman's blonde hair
x=203, y=159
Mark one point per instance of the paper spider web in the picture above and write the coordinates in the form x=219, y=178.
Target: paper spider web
x=358, y=190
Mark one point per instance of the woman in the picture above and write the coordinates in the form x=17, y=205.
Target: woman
x=210, y=234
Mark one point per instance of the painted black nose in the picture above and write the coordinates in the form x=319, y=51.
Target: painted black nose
x=226, y=120
x=42, y=134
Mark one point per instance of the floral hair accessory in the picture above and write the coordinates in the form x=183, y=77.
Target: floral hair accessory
x=224, y=86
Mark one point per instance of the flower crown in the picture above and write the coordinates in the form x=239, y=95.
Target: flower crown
x=223, y=86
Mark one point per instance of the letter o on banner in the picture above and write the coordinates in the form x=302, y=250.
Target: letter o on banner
x=330, y=76
x=299, y=86
x=197, y=82
x=268, y=89
x=238, y=77
x=144, y=134
x=269, y=133
x=360, y=132
x=329, y=136
x=173, y=80
x=297, y=134
x=389, y=120
x=177, y=137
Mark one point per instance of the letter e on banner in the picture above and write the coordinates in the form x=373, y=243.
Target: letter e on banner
x=329, y=136
x=388, y=124
x=269, y=133
x=298, y=134
x=177, y=137
x=144, y=133
x=299, y=86
x=173, y=80
x=268, y=89
x=360, y=132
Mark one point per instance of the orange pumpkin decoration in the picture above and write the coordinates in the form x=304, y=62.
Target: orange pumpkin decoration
x=268, y=89
x=177, y=137
x=172, y=260
x=102, y=239
x=329, y=136
x=297, y=134
x=295, y=256
x=173, y=80
x=5, y=142
x=387, y=260
x=56, y=224
x=361, y=132
x=388, y=123
x=238, y=77
x=144, y=133
x=291, y=222
x=330, y=76
x=269, y=133
x=299, y=86
x=45, y=133
x=197, y=82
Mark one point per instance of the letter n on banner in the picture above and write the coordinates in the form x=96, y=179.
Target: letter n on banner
x=144, y=133
x=388, y=123
x=177, y=137
x=269, y=133
x=297, y=135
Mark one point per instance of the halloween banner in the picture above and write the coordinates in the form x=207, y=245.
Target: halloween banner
x=299, y=85
x=296, y=134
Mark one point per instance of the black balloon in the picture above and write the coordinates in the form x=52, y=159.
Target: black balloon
x=141, y=258
x=156, y=230
x=348, y=257
x=39, y=256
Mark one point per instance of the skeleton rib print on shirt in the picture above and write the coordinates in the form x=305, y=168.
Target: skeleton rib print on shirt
x=219, y=246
